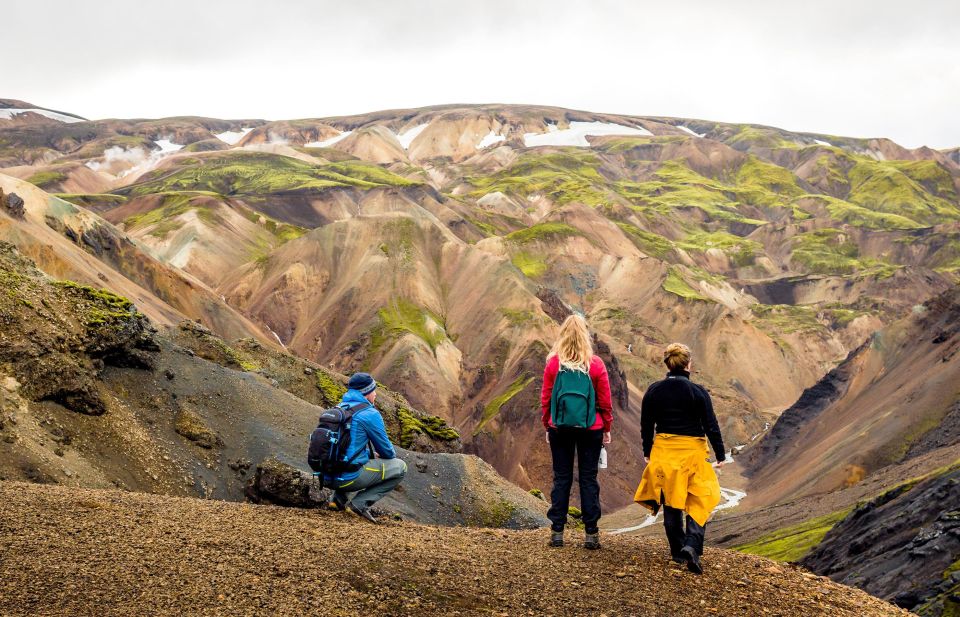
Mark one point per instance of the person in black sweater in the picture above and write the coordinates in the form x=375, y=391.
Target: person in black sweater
x=673, y=407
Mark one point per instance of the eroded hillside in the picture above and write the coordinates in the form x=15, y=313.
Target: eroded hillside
x=437, y=247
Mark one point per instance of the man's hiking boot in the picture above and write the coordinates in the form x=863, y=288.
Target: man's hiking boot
x=363, y=513
x=338, y=502
x=556, y=539
x=677, y=558
x=689, y=554
x=591, y=541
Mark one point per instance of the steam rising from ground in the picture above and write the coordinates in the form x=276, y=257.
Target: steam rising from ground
x=134, y=160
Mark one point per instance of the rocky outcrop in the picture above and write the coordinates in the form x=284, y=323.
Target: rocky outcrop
x=13, y=205
x=285, y=485
x=58, y=335
x=902, y=545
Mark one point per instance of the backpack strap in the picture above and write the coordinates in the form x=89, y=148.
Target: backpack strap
x=354, y=409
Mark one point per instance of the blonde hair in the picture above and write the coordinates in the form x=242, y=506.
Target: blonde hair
x=676, y=356
x=573, y=346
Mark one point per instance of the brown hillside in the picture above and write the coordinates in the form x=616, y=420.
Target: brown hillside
x=87, y=552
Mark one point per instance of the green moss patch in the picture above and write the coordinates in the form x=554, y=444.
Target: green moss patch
x=531, y=266
x=99, y=307
x=563, y=177
x=434, y=427
x=831, y=251
x=44, y=179
x=792, y=543
x=93, y=201
x=259, y=173
x=401, y=317
x=650, y=243
x=884, y=186
x=740, y=250
x=331, y=389
x=519, y=318
x=675, y=284
x=492, y=408
x=787, y=318
x=542, y=232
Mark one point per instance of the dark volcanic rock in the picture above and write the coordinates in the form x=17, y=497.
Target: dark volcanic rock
x=281, y=484
x=553, y=305
x=899, y=545
x=618, y=379
x=13, y=204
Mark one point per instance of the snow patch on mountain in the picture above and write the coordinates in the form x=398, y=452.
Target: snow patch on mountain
x=406, y=138
x=820, y=142
x=577, y=134
x=10, y=113
x=326, y=143
x=232, y=137
x=687, y=129
x=490, y=138
x=167, y=146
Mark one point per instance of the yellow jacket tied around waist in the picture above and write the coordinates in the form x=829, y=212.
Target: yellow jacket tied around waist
x=680, y=471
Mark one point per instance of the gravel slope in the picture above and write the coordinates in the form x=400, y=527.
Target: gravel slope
x=68, y=551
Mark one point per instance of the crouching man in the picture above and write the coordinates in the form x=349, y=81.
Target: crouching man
x=376, y=476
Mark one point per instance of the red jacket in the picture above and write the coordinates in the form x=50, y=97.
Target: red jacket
x=601, y=384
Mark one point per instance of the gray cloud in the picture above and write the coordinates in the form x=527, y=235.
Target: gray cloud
x=841, y=67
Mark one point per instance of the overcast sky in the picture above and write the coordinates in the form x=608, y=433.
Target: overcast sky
x=859, y=68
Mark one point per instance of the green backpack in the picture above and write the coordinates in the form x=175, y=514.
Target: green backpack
x=573, y=401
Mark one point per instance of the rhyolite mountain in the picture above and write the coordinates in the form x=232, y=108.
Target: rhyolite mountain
x=439, y=247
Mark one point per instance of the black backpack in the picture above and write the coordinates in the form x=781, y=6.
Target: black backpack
x=330, y=441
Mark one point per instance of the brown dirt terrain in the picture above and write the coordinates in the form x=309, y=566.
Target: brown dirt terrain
x=68, y=551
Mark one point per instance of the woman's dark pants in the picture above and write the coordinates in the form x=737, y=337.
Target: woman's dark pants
x=585, y=444
x=677, y=537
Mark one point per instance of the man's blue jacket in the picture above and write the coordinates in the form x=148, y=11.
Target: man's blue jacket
x=368, y=427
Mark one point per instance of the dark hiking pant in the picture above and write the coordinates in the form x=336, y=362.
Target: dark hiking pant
x=677, y=537
x=585, y=444
x=377, y=478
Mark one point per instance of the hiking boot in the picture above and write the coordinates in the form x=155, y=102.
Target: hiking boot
x=338, y=502
x=591, y=541
x=688, y=554
x=556, y=539
x=363, y=513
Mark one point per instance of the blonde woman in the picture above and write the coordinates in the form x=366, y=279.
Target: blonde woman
x=678, y=475
x=577, y=412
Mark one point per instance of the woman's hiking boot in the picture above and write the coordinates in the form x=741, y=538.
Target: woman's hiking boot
x=556, y=539
x=591, y=541
x=689, y=554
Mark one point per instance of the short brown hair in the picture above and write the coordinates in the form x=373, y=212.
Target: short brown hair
x=676, y=356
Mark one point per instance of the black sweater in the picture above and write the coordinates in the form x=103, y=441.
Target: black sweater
x=678, y=406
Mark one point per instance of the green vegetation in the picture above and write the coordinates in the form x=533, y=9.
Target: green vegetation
x=172, y=205
x=236, y=357
x=331, y=389
x=536, y=493
x=493, y=407
x=932, y=176
x=884, y=186
x=44, y=179
x=531, y=266
x=93, y=201
x=787, y=318
x=740, y=250
x=258, y=173
x=758, y=136
x=831, y=251
x=496, y=514
x=858, y=216
x=792, y=543
x=678, y=186
x=542, y=232
x=563, y=177
x=650, y=243
x=675, y=284
x=101, y=307
x=765, y=184
x=401, y=317
x=518, y=318
x=434, y=427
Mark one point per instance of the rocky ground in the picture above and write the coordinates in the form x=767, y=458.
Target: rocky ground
x=70, y=551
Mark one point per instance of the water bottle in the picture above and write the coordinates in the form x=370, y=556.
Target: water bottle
x=603, y=458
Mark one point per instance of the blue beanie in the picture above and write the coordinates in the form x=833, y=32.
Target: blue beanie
x=362, y=382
